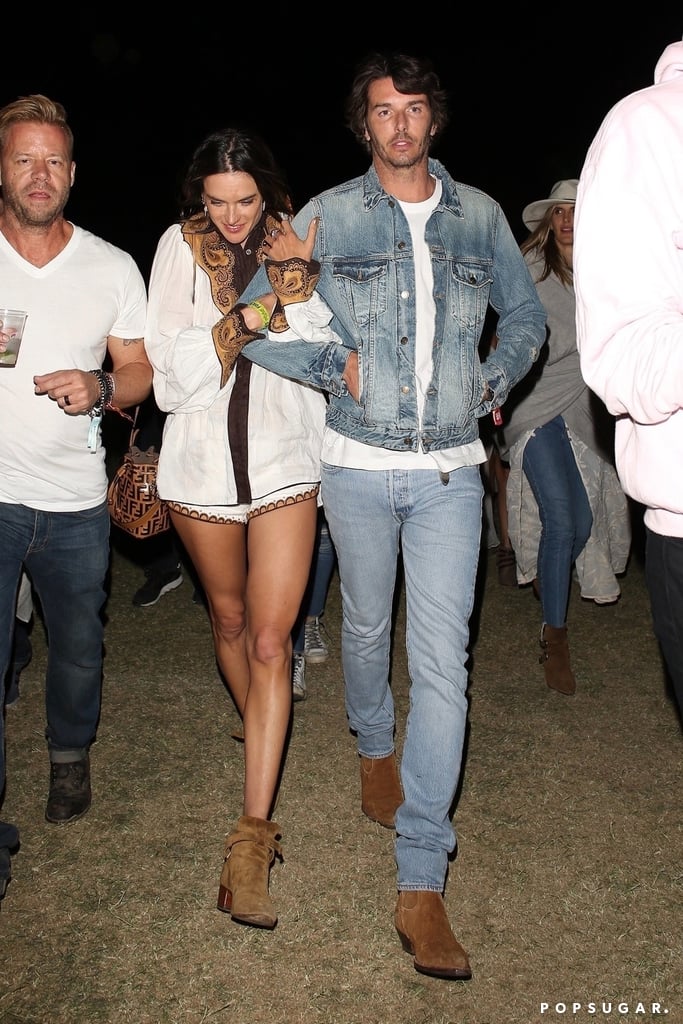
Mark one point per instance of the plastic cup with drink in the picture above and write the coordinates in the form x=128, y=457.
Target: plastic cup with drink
x=11, y=332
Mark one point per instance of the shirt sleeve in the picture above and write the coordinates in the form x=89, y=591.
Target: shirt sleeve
x=180, y=347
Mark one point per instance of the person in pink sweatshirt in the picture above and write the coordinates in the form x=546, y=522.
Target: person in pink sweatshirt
x=628, y=280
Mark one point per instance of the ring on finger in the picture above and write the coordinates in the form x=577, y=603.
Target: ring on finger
x=67, y=400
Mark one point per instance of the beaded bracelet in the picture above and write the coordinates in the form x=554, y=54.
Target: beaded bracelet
x=107, y=388
x=262, y=312
x=109, y=405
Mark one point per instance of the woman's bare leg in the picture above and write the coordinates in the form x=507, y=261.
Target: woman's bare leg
x=219, y=555
x=254, y=579
x=280, y=550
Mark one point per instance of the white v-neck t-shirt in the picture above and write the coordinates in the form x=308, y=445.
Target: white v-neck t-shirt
x=90, y=290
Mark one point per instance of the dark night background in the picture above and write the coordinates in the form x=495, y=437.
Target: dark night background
x=526, y=95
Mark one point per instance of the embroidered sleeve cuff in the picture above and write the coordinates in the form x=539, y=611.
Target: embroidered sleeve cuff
x=293, y=280
x=230, y=335
x=278, y=319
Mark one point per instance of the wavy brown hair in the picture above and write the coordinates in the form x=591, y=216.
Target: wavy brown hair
x=410, y=75
x=543, y=244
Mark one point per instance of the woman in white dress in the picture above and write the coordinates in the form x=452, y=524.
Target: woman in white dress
x=239, y=468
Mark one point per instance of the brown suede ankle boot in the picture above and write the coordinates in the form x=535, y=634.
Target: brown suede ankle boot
x=425, y=932
x=249, y=852
x=380, y=788
x=555, y=659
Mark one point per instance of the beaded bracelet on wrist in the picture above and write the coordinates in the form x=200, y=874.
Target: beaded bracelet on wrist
x=105, y=402
x=106, y=383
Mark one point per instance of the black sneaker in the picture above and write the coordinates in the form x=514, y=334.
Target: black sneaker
x=158, y=584
x=5, y=870
x=12, y=692
x=69, y=797
x=9, y=843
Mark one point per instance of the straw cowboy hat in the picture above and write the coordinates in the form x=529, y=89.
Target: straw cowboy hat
x=561, y=192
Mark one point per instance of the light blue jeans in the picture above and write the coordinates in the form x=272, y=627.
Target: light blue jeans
x=565, y=513
x=373, y=516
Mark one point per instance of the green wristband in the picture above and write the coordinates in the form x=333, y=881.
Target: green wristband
x=262, y=312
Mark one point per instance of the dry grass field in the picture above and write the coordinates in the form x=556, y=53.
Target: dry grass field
x=567, y=889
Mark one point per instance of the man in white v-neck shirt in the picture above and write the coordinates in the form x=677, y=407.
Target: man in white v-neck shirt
x=86, y=301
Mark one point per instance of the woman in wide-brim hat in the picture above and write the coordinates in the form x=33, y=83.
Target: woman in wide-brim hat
x=566, y=509
x=562, y=193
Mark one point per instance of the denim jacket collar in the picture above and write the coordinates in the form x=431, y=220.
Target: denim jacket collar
x=373, y=192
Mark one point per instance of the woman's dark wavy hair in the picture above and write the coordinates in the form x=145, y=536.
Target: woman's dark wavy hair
x=410, y=75
x=235, y=149
x=543, y=243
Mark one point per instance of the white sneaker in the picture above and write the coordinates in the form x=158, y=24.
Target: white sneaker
x=315, y=641
x=298, y=677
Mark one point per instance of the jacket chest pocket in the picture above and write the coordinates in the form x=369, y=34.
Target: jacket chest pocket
x=364, y=287
x=470, y=288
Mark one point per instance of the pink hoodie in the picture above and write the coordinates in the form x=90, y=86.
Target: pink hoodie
x=628, y=279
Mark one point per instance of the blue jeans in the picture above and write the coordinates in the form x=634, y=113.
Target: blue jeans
x=664, y=578
x=322, y=568
x=66, y=554
x=566, y=517
x=374, y=515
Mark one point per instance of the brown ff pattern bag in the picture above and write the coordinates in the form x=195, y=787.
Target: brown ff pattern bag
x=132, y=498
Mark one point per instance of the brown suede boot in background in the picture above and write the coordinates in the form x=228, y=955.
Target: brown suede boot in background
x=381, y=793
x=425, y=932
x=249, y=852
x=555, y=659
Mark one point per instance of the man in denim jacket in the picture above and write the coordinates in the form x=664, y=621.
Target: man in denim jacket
x=404, y=262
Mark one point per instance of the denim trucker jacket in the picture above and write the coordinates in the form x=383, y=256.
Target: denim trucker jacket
x=366, y=278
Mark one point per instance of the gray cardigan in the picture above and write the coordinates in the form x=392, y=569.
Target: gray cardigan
x=554, y=386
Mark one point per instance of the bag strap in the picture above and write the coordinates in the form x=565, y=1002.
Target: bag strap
x=133, y=431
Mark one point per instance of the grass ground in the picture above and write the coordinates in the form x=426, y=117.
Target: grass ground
x=567, y=890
